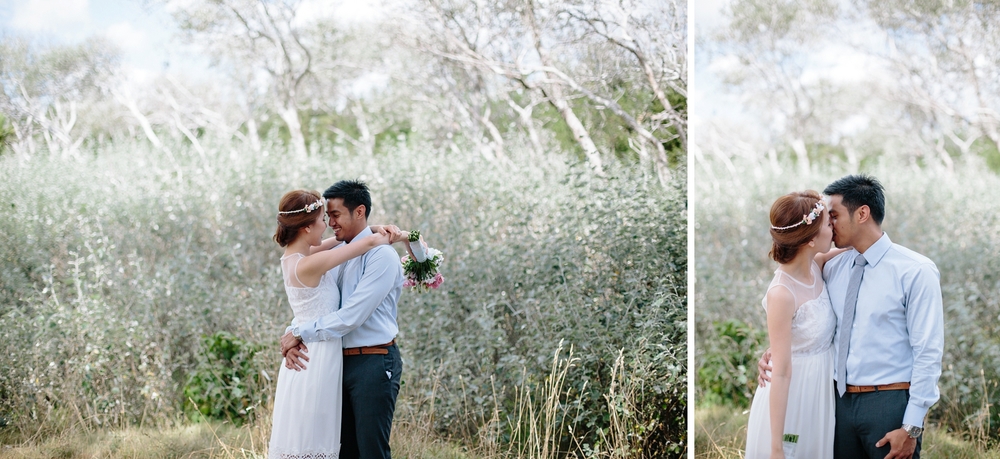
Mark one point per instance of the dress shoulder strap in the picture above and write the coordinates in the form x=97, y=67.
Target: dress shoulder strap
x=294, y=269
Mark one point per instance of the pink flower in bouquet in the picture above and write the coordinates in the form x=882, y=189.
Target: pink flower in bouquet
x=436, y=281
x=409, y=282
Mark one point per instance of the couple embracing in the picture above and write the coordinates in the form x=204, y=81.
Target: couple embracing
x=856, y=333
x=337, y=389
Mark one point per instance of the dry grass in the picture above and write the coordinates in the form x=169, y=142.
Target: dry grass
x=720, y=433
x=204, y=440
x=411, y=438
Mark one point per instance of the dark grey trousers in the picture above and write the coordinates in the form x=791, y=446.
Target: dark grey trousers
x=863, y=419
x=371, y=384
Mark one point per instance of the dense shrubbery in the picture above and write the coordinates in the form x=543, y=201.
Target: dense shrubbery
x=726, y=371
x=118, y=271
x=951, y=217
x=224, y=382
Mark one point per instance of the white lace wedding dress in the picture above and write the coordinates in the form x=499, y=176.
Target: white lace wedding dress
x=811, y=403
x=307, y=404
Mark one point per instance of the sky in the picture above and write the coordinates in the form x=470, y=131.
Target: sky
x=843, y=59
x=145, y=34
x=143, y=29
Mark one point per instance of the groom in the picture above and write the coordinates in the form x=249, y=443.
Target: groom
x=890, y=329
x=370, y=286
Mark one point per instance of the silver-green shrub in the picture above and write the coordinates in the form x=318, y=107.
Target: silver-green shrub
x=116, y=268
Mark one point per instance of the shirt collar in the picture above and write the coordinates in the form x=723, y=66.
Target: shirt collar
x=878, y=250
x=365, y=232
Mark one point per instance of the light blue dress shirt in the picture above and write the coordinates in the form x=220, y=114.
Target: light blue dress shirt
x=370, y=286
x=898, y=331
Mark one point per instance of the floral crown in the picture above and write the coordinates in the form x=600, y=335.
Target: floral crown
x=307, y=209
x=806, y=219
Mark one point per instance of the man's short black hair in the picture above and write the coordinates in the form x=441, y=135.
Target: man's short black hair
x=860, y=190
x=353, y=192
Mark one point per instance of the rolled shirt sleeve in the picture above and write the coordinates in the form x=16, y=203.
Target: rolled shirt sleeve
x=925, y=326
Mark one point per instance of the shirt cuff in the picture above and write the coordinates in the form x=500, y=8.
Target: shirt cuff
x=914, y=415
x=307, y=335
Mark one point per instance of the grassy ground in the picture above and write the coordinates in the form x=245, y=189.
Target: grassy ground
x=210, y=440
x=205, y=440
x=720, y=433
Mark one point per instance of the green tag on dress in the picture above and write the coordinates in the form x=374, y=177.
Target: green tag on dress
x=790, y=438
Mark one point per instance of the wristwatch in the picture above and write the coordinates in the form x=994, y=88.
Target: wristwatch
x=298, y=335
x=913, y=431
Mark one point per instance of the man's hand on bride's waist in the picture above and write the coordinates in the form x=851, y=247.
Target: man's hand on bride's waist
x=764, y=368
x=294, y=351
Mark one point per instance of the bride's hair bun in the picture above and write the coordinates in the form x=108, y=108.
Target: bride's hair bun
x=291, y=222
x=788, y=210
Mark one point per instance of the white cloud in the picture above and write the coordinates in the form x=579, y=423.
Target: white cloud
x=126, y=36
x=51, y=16
x=708, y=15
x=724, y=64
x=843, y=65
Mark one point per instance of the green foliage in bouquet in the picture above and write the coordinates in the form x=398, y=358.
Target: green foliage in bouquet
x=423, y=271
x=222, y=385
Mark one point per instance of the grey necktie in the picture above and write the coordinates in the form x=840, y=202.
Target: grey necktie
x=847, y=321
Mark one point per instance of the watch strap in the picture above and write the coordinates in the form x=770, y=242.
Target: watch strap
x=913, y=431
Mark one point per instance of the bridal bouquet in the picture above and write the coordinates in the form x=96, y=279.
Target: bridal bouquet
x=420, y=266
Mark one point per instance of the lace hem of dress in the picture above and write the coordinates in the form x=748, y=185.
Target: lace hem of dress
x=304, y=455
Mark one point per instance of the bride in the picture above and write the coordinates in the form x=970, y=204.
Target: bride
x=794, y=415
x=307, y=404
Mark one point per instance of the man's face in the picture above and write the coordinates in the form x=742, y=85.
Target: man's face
x=342, y=221
x=843, y=222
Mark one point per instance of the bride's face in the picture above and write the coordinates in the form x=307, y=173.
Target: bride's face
x=316, y=230
x=825, y=236
x=843, y=225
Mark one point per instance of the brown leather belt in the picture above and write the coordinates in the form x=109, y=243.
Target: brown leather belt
x=862, y=389
x=381, y=349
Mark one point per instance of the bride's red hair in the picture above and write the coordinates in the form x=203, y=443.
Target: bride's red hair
x=788, y=210
x=290, y=224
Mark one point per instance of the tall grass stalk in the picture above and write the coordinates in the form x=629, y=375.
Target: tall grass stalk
x=540, y=415
x=621, y=434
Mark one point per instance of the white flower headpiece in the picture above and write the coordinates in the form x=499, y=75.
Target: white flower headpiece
x=806, y=219
x=306, y=209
